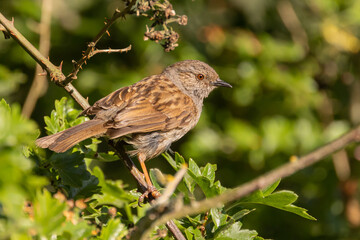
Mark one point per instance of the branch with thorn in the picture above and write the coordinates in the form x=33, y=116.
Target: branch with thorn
x=109, y=50
x=91, y=46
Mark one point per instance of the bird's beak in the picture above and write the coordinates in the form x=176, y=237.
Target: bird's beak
x=221, y=83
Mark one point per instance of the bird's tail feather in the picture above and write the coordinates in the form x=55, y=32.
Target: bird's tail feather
x=64, y=140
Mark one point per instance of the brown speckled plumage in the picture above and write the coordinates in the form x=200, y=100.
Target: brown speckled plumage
x=151, y=113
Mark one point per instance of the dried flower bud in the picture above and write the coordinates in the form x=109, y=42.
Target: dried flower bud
x=182, y=20
x=169, y=11
x=170, y=46
x=173, y=38
x=155, y=35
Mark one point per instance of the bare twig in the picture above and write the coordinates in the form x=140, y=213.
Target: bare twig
x=39, y=84
x=171, y=187
x=122, y=50
x=160, y=214
x=91, y=46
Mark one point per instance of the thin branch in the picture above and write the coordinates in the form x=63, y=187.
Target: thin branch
x=160, y=214
x=39, y=84
x=122, y=50
x=171, y=187
x=91, y=46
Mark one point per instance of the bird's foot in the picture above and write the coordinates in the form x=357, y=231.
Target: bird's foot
x=150, y=194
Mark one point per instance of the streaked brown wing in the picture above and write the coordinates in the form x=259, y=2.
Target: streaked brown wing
x=117, y=99
x=154, y=104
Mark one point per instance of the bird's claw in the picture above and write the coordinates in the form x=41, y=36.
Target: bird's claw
x=149, y=194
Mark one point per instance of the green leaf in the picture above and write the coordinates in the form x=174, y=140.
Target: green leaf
x=209, y=172
x=219, y=219
x=240, y=214
x=193, y=234
x=71, y=168
x=74, y=176
x=270, y=189
x=48, y=214
x=179, y=159
x=170, y=160
x=113, y=230
x=113, y=192
x=234, y=232
x=205, y=179
x=194, y=168
x=282, y=200
x=107, y=157
x=63, y=117
x=88, y=188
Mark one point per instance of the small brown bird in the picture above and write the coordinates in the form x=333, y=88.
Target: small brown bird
x=151, y=114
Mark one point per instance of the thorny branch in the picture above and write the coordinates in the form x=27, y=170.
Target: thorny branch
x=162, y=213
x=122, y=50
x=91, y=46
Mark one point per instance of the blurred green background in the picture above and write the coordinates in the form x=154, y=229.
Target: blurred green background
x=294, y=67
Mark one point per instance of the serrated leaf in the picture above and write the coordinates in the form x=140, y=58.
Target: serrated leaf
x=270, y=189
x=87, y=189
x=74, y=176
x=194, y=168
x=282, y=200
x=179, y=159
x=113, y=192
x=234, y=232
x=71, y=168
x=63, y=116
x=48, y=213
x=204, y=182
x=209, y=172
x=113, y=230
x=192, y=233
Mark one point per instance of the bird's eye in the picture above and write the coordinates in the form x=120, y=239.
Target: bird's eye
x=200, y=76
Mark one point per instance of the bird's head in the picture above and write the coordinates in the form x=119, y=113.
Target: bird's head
x=197, y=79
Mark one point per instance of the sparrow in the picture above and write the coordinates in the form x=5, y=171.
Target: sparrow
x=149, y=115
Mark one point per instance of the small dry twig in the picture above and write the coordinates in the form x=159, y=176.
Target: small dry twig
x=122, y=50
x=91, y=46
x=171, y=187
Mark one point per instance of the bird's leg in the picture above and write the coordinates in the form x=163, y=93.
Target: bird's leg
x=150, y=187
